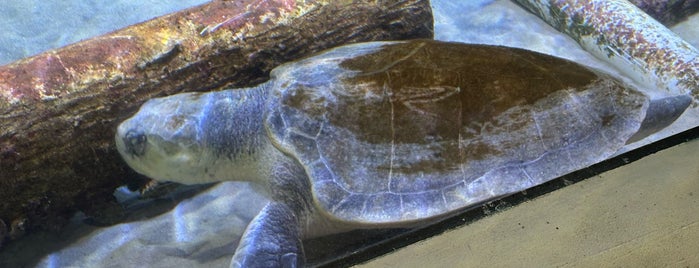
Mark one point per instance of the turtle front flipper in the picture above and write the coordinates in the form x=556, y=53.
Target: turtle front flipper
x=272, y=239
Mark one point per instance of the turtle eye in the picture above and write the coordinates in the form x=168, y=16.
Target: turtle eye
x=135, y=142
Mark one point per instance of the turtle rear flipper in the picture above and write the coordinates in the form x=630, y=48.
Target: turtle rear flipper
x=271, y=240
x=660, y=114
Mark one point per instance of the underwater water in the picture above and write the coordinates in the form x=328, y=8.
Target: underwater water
x=32, y=26
x=202, y=231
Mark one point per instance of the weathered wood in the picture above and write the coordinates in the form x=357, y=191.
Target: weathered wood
x=59, y=109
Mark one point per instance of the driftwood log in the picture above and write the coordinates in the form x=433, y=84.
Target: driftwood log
x=59, y=109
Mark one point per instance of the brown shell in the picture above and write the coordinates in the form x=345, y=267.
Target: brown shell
x=400, y=131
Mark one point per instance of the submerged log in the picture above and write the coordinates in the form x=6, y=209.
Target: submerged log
x=59, y=109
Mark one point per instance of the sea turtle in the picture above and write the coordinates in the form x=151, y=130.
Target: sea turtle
x=388, y=134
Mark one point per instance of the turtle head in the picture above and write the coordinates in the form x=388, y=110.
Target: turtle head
x=163, y=140
x=194, y=138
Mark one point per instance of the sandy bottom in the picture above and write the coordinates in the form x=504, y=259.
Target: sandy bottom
x=644, y=214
